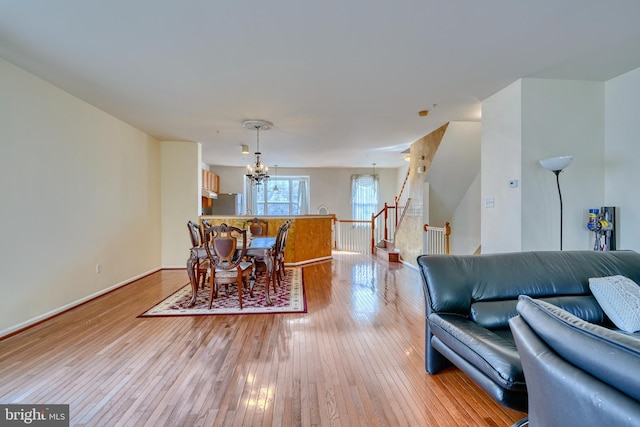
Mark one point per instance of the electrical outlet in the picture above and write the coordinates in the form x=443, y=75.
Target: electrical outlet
x=98, y=268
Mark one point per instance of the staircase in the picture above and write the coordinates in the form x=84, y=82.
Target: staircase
x=385, y=224
x=386, y=250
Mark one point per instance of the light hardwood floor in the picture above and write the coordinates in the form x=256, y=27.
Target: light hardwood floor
x=356, y=358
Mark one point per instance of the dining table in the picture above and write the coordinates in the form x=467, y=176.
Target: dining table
x=260, y=247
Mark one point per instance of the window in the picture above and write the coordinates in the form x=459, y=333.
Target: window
x=284, y=195
x=364, y=196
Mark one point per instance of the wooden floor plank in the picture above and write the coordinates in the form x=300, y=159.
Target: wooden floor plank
x=355, y=358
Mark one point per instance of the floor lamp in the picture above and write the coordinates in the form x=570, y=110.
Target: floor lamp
x=556, y=165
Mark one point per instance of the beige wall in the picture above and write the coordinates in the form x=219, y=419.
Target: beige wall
x=181, y=175
x=79, y=188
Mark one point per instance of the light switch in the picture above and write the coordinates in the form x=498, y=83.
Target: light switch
x=489, y=202
x=513, y=183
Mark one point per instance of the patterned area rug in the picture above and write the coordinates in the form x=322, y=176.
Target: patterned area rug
x=289, y=298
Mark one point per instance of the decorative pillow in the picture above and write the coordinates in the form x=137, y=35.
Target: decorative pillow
x=619, y=298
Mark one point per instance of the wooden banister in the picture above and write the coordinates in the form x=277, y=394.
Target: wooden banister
x=446, y=232
x=404, y=183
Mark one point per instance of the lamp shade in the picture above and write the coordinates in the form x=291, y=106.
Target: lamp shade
x=556, y=163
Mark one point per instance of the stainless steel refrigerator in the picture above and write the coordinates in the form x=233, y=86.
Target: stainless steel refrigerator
x=226, y=204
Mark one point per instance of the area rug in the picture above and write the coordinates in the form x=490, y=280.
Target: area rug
x=288, y=298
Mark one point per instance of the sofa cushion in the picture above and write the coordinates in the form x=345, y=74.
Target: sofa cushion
x=619, y=297
x=492, y=351
x=496, y=314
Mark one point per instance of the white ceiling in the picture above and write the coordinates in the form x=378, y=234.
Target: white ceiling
x=342, y=80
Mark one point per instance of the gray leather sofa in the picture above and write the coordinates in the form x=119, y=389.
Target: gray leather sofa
x=470, y=299
x=577, y=373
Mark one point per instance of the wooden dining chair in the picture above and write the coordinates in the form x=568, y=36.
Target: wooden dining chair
x=226, y=261
x=258, y=227
x=198, y=253
x=279, y=271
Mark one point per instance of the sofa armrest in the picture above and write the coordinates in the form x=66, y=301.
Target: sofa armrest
x=561, y=394
x=493, y=352
x=612, y=357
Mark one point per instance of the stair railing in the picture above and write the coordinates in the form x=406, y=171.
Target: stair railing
x=401, y=199
x=352, y=235
x=384, y=225
x=362, y=235
x=403, y=212
x=437, y=239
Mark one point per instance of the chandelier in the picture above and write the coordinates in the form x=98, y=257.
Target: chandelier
x=259, y=172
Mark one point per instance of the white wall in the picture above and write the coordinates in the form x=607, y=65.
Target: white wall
x=530, y=120
x=500, y=158
x=561, y=117
x=465, y=222
x=79, y=188
x=621, y=155
x=455, y=166
x=328, y=186
x=401, y=174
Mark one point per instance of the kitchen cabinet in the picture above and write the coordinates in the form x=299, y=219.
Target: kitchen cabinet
x=210, y=182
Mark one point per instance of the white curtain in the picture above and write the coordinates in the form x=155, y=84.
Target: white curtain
x=364, y=196
x=303, y=197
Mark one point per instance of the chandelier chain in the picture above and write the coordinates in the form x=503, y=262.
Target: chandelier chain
x=259, y=172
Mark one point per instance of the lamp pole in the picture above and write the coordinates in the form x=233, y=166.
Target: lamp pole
x=556, y=165
x=560, y=196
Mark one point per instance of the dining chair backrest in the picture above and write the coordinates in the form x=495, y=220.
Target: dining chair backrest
x=221, y=245
x=281, y=238
x=278, y=252
x=195, y=233
x=258, y=227
x=286, y=234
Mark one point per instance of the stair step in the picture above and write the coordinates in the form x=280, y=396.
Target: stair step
x=388, y=254
x=385, y=244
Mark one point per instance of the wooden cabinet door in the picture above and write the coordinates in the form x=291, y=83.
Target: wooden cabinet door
x=205, y=186
x=216, y=183
x=210, y=181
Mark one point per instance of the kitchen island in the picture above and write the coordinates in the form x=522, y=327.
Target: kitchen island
x=309, y=238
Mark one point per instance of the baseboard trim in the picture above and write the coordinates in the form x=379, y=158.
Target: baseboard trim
x=408, y=264
x=308, y=261
x=16, y=329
